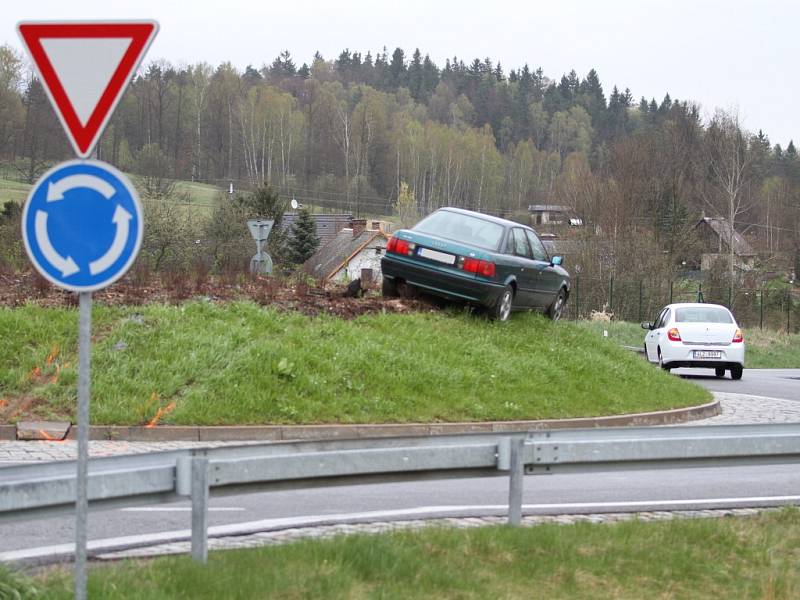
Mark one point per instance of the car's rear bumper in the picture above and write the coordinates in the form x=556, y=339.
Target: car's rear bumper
x=702, y=364
x=444, y=282
x=678, y=354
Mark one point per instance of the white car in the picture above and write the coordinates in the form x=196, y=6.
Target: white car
x=696, y=335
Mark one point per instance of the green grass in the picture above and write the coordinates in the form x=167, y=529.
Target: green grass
x=200, y=193
x=14, y=191
x=753, y=557
x=239, y=363
x=763, y=349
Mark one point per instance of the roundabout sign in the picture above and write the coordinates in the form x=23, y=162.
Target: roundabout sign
x=82, y=225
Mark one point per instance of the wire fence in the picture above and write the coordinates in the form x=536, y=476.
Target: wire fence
x=641, y=300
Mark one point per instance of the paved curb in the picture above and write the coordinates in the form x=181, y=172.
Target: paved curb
x=169, y=433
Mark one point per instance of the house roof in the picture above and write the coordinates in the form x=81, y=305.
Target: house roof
x=549, y=208
x=720, y=226
x=333, y=255
x=326, y=225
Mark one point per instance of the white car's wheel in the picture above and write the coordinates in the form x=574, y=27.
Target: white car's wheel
x=661, y=363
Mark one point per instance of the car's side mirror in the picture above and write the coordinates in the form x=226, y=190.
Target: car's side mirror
x=647, y=325
x=556, y=260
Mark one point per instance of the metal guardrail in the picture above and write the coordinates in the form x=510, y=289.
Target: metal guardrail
x=32, y=491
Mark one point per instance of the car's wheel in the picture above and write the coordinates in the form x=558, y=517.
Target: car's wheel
x=389, y=288
x=736, y=371
x=557, y=307
x=404, y=290
x=661, y=362
x=502, y=308
x=719, y=371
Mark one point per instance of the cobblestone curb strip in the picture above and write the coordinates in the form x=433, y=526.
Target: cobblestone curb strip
x=270, y=538
x=323, y=432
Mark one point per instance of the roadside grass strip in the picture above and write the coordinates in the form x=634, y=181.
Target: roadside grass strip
x=741, y=557
x=763, y=349
x=203, y=363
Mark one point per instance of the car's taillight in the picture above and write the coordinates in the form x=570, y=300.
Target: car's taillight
x=480, y=267
x=738, y=337
x=674, y=335
x=398, y=246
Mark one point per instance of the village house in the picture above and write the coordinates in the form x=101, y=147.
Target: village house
x=553, y=214
x=354, y=252
x=714, y=234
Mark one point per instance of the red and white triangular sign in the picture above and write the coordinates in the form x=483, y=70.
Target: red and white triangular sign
x=85, y=67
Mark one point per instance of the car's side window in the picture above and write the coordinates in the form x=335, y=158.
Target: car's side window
x=539, y=252
x=660, y=320
x=520, y=247
x=509, y=247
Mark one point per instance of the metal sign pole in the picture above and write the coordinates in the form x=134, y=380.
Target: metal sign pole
x=68, y=256
x=82, y=498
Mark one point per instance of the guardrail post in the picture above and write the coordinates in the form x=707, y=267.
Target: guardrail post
x=200, y=509
x=516, y=474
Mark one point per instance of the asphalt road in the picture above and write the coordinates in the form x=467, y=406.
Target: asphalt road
x=625, y=491
x=684, y=489
x=772, y=383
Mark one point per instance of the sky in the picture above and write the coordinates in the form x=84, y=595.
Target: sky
x=737, y=55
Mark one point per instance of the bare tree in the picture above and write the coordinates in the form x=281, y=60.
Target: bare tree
x=730, y=159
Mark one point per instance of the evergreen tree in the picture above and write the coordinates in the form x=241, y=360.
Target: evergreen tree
x=415, y=76
x=304, y=241
x=430, y=77
x=397, y=68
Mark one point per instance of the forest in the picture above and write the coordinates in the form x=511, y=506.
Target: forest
x=349, y=133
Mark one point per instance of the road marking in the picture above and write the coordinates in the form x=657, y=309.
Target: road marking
x=149, y=539
x=179, y=509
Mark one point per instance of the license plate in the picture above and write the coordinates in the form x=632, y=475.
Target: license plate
x=441, y=257
x=707, y=354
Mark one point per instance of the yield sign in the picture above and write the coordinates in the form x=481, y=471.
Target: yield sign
x=85, y=68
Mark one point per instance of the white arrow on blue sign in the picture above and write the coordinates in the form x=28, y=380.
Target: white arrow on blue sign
x=82, y=225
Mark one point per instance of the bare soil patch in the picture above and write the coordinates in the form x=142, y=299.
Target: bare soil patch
x=308, y=298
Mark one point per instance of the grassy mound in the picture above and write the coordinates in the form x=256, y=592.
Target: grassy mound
x=237, y=363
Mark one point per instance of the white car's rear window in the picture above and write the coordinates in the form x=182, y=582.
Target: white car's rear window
x=703, y=314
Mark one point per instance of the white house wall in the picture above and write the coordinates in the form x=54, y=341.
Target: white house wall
x=368, y=258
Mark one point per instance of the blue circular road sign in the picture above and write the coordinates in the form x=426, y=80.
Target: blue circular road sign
x=82, y=225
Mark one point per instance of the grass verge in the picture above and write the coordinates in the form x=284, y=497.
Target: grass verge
x=764, y=349
x=201, y=193
x=754, y=557
x=237, y=363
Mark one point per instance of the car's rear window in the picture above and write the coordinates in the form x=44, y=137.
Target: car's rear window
x=462, y=228
x=702, y=315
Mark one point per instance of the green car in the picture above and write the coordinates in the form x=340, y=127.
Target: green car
x=475, y=258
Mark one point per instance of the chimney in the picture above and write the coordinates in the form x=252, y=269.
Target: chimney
x=358, y=225
x=376, y=226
